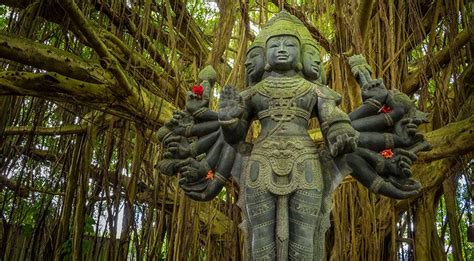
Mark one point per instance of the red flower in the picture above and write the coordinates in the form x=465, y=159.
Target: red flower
x=210, y=175
x=198, y=90
x=387, y=153
x=385, y=109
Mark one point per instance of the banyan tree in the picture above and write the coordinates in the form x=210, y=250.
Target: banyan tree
x=85, y=85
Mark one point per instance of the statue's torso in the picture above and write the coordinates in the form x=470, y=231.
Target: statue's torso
x=284, y=157
x=283, y=105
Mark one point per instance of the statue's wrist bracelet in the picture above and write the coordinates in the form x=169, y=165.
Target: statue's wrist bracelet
x=188, y=130
x=221, y=178
x=373, y=103
x=389, y=142
x=376, y=184
x=388, y=119
x=166, y=136
x=229, y=123
x=380, y=165
x=192, y=149
x=198, y=112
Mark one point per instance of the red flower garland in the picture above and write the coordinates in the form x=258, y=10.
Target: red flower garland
x=388, y=153
x=210, y=175
x=385, y=109
x=198, y=90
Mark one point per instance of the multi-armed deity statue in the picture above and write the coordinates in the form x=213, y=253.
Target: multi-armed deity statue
x=286, y=182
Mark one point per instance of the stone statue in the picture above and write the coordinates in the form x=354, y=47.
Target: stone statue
x=285, y=181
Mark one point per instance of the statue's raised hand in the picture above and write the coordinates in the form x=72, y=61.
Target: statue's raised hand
x=196, y=101
x=407, y=130
x=342, y=138
x=177, y=147
x=192, y=170
x=399, y=166
x=177, y=123
x=374, y=89
x=399, y=170
x=402, y=104
x=230, y=106
x=360, y=69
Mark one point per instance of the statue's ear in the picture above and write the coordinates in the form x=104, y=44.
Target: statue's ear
x=322, y=74
x=267, y=67
x=299, y=66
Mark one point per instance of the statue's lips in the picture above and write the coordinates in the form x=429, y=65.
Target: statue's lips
x=282, y=57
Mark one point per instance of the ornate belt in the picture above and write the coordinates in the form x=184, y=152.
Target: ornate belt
x=283, y=164
x=284, y=113
x=282, y=151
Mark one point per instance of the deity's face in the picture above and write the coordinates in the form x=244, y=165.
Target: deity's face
x=283, y=52
x=311, y=62
x=254, y=65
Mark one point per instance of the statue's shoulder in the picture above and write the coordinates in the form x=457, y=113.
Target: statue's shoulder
x=325, y=92
x=249, y=91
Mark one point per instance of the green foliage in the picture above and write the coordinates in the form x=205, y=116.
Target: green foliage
x=66, y=247
x=222, y=194
x=4, y=12
x=465, y=200
x=66, y=250
x=89, y=225
x=205, y=13
x=464, y=209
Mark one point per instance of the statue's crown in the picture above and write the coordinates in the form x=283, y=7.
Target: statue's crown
x=284, y=23
x=284, y=16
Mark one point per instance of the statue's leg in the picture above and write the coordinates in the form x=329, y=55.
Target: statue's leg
x=322, y=226
x=260, y=207
x=303, y=217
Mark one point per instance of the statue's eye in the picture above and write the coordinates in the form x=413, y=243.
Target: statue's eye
x=273, y=45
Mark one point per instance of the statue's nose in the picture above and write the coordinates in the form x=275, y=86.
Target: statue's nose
x=282, y=50
x=280, y=47
x=247, y=63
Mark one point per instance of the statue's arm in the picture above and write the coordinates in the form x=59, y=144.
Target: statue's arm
x=336, y=127
x=193, y=129
x=403, y=135
x=378, y=141
x=178, y=147
x=194, y=169
x=203, y=144
x=366, y=174
x=234, y=115
x=396, y=165
x=202, y=129
x=368, y=108
x=203, y=180
x=220, y=176
x=379, y=122
x=205, y=114
x=214, y=154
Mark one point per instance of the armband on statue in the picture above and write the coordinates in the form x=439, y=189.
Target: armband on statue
x=335, y=119
x=336, y=127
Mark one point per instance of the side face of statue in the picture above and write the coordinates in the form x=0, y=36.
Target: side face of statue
x=311, y=62
x=254, y=65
